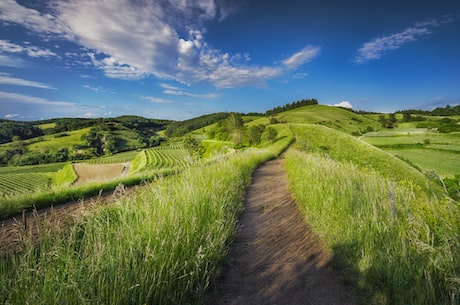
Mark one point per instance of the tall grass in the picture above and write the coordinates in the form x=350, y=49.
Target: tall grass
x=342, y=147
x=397, y=242
x=162, y=246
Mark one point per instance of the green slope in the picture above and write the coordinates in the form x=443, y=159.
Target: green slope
x=333, y=117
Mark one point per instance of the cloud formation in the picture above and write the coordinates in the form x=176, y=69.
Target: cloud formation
x=379, y=46
x=305, y=55
x=344, y=104
x=133, y=39
x=7, y=79
x=32, y=51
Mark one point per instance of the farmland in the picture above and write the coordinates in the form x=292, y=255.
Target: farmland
x=388, y=224
x=428, y=150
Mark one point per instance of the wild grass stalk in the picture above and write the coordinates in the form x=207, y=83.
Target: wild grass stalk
x=162, y=246
x=398, y=243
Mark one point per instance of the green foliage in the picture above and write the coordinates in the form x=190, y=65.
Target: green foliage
x=290, y=106
x=193, y=147
x=65, y=176
x=18, y=130
x=395, y=241
x=161, y=246
x=23, y=183
x=178, y=129
x=173, y=157
x=337, y=118
x=445, y=163
x=342, y=147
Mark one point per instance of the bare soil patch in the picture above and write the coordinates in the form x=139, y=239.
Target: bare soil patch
x=276, y=259
x=99, y=172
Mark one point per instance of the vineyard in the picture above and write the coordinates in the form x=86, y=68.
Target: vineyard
x=18, y=180
x=170, y=156
x=117, y=158
x=20, y=183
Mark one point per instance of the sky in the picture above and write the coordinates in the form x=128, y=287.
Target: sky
x=180, y=59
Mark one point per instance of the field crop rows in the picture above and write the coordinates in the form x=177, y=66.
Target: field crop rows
x=20, y=183
x=443, y=162
x=117, y=158
x=166, y=157
x=170, y=156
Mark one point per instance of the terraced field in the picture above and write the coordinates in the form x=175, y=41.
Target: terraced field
x=170, y=156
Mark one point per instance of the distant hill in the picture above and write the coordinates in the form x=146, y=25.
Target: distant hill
x=333, y=117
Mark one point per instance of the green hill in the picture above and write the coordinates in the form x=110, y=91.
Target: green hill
x=333, y=117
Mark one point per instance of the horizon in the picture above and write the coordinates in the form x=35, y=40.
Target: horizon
x=177, y=60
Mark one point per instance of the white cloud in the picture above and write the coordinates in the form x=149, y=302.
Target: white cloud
x=378, y=46
x=10, y=61
x=303, y=56
x=7, y=97
x=133, y=39
x=185, y=93
x=7, y=79
x=32, y=51
x=344, y=104
x=11, y=115
x=15, y=103
x=98, y=89
x=155, y=100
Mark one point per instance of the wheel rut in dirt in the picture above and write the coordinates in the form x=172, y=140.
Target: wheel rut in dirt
x=276, y=259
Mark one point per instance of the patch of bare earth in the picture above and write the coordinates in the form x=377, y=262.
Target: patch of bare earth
x=276, y=259
x=99, y=172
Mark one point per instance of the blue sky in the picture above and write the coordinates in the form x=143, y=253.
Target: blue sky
x=178, y=59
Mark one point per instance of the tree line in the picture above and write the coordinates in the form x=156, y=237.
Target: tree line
x=232, y=129
x=290, y=106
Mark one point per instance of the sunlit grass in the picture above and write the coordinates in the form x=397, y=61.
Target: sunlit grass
x=396, y=242
x=162, y=246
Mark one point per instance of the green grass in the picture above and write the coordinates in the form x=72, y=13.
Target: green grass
x=40, y=168
x=396, y=242
x=169, y=156
x=333, y=117
x=449, y=141
x=162, y=246
x=342, y=147
x=444, y=163
x=64, y=177
x=12, y=185
x=122, y=157
x=55, y=143
x=214, y=147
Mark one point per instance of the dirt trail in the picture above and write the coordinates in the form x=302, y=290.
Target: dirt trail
x=276, y=259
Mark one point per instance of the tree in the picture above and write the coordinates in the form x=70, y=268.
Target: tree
x=254, y=134
x=269, y=134
x=193, y=147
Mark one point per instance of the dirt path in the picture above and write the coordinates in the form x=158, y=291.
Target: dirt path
x=276, y=259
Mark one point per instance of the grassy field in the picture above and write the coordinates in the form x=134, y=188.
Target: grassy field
x=333, y=117
x=165, y=244
x=444, y=163
x=395, y=238
x=56, y=142
x=427, y=150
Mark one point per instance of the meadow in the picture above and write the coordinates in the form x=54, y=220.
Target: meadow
x=393, y=233
x=391, y=230
x=165, y=244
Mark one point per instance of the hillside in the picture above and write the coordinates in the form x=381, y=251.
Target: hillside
x=67, y=139
x=333, y=117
